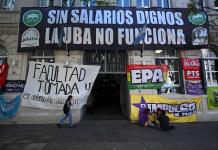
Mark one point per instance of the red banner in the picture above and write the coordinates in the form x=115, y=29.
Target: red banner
x=189, y=63
x=192, y=74
x=191, y=67
x=3, y=74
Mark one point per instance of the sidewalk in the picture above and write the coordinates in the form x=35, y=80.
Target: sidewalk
x=108, y=135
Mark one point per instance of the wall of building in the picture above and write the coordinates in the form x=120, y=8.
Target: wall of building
x=18, y=63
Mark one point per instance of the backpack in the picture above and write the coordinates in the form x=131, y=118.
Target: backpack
x=66, y=108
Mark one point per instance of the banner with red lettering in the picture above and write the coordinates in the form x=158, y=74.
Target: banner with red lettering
x=3, y=74
x=146, y=76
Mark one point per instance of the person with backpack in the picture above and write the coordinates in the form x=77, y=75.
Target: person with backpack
x=67, y=113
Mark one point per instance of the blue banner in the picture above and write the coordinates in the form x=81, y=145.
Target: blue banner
x=8, y=109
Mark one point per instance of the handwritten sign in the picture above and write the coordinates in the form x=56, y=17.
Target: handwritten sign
x=49, y=84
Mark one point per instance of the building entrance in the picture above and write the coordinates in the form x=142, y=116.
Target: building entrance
x=109, y=95
x=105, y=98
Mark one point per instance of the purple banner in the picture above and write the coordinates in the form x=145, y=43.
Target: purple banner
x=194, y=88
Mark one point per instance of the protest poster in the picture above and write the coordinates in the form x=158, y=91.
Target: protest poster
x=109, y=28
x=146, y=76
x=49, y=84
x=177, y=110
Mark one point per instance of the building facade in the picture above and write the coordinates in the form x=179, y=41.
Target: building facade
x=112, y=80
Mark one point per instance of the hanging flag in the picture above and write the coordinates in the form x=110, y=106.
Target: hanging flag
x=141, y=35
x=8, y=109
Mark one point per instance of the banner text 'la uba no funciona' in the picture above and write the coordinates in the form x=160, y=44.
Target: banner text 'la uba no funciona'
x=111, y=28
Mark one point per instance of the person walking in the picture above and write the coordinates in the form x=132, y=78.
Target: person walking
x=67, y=113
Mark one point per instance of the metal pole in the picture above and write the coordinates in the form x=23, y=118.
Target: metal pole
x=143, y=46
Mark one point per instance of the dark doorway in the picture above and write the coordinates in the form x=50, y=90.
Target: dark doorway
x=104, y=102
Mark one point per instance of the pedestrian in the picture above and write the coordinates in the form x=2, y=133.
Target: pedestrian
x=67, y=112
x=164, y=121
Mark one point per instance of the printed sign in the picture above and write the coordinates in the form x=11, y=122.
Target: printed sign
x=177, y=110
x=14, y=86
x=146, y=76
x=191, y=67
x=8, y=109
x=79, y=28
x=189, y=63
x=193, y=88
x=32, y=18
x=49, y=84
x=200, y=36
x=30, y=38
x=192, y=74
x=198, y=18
x=212, y=94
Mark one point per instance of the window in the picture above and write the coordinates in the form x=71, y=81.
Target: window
x=163, y=3
x=169, y=58
x=46, y=3
x=110, y=61
x=2, y=51
x=67, y=3
x=216, y=4
x=210, y=61
x=8, y=4
x=42, y=56
x=123, y=3
x=88, y=4
x=143, y=3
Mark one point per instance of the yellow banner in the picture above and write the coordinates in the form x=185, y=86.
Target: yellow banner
x=176, y=110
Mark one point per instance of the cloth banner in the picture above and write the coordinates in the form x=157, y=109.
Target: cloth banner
x=49, y=84
x=111, y=28
x=176, y=110
x=3, y=74
x=146, y=76
x=8, y=109
x=212, y=94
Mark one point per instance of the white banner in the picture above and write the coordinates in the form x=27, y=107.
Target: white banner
x=49, y=84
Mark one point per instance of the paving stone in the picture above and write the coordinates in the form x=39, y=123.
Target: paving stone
x=35, y=146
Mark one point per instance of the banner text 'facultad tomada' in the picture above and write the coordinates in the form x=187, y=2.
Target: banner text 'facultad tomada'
x=49, y=84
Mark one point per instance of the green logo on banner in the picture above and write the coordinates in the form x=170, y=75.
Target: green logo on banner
x=197, y=19
x=32, y=18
